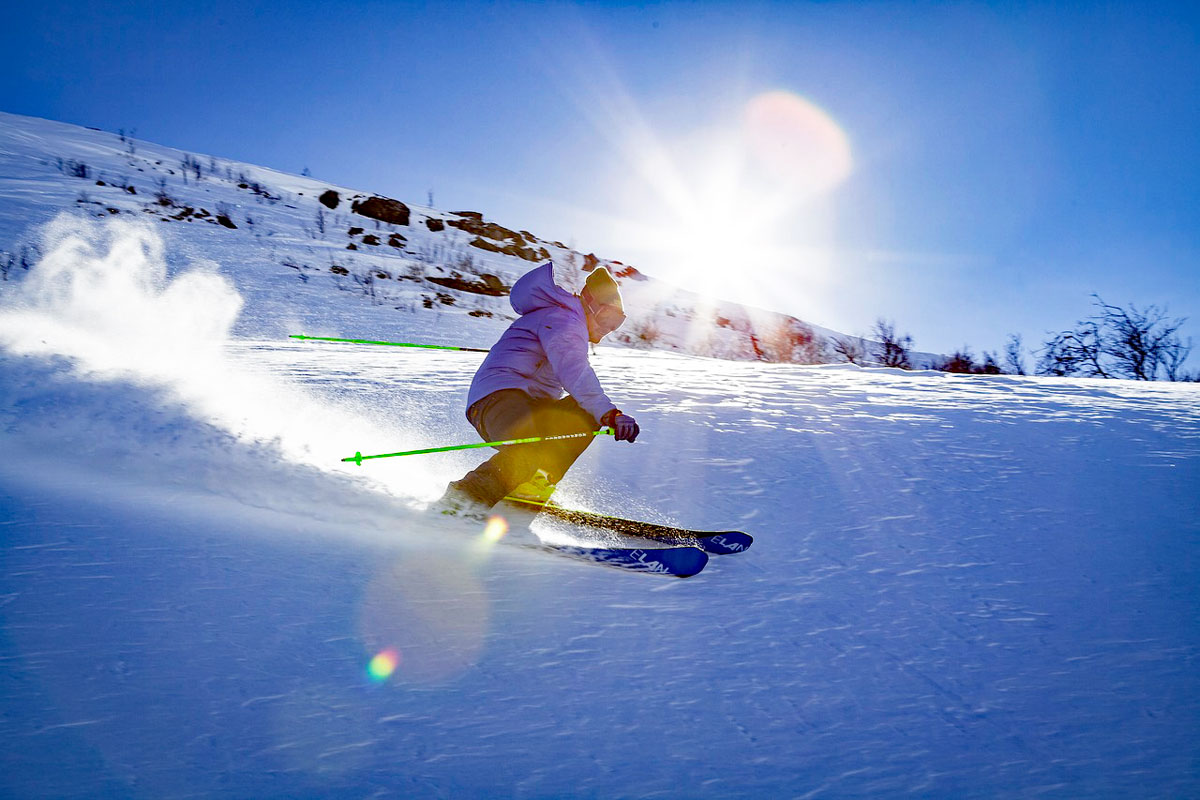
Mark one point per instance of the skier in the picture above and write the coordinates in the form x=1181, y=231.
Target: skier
x=518, y=391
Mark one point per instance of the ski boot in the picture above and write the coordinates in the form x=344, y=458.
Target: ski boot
x=536, y=490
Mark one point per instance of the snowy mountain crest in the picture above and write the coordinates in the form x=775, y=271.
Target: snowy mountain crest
x=344, y=260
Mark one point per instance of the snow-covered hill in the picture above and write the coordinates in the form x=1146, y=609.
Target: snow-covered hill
x=961, y=586
x=338, y=261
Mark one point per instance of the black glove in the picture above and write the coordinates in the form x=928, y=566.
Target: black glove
x=624, y=426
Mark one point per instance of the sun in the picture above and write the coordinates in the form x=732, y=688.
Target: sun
x=739, y=199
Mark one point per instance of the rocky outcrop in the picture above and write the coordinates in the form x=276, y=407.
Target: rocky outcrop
x=383, y=209
x=511, y=249
x=330, y=199
x=487, y=284
x=489, y=230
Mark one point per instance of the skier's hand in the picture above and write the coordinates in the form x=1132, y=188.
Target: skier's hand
x=624, y=426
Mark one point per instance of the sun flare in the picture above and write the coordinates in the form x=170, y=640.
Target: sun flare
x=740, y=200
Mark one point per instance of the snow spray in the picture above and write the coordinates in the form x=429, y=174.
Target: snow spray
x=103, y=299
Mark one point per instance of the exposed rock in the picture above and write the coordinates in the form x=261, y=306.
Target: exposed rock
x=488, y=284
x=629, y=272
x=226, y=221
x=489, y=230
x=354, y=231
x=397, y=241
x=527, y=253
x=336, y=270
x=383, y=209
x=514, y=249
x=435, y=225
x=484, y=244
x=329, y=199
x=371, y=239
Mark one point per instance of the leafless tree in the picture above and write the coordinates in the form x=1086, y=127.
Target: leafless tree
x=1074, y=352
x=1139, y=341
x=192, y=165
x=893, y=348
x=1116, y=342
x=989, y=366
x=1014, y=359
x=961, y=362
x=162, y=197
x=850, y=349
x=366, y=284
x=1174, y=354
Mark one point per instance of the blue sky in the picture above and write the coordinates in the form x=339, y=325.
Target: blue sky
x=1006, y=160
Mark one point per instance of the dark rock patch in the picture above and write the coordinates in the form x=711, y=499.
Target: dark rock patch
x=383, y=209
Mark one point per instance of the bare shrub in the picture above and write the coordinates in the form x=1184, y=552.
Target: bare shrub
x=161, y=196
x=893, y=349
x=961, y=362
x=1014, y=358
x=647, y=331
x=850, y=349
x=1117, y=342
x=192, y=167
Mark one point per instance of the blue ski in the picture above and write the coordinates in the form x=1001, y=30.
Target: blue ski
x=715, y=542
x=680, y=562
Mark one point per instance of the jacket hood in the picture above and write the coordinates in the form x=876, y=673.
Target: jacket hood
x=536, y=289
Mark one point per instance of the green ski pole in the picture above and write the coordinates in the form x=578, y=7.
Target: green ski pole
x=358, y=458
x=388, y=344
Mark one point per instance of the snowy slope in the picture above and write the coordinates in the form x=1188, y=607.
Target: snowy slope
x=960, y=586
x=305, y=267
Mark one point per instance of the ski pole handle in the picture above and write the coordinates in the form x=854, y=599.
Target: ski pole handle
x=358, y=458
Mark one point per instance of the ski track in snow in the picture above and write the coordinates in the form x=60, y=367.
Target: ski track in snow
x=960, y=586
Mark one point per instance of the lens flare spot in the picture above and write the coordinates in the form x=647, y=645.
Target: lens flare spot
x=796, y=142
x=433, y=610
x=495, y=529
x=383, y=665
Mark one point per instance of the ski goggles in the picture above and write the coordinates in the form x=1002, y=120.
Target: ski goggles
x=608, y=317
